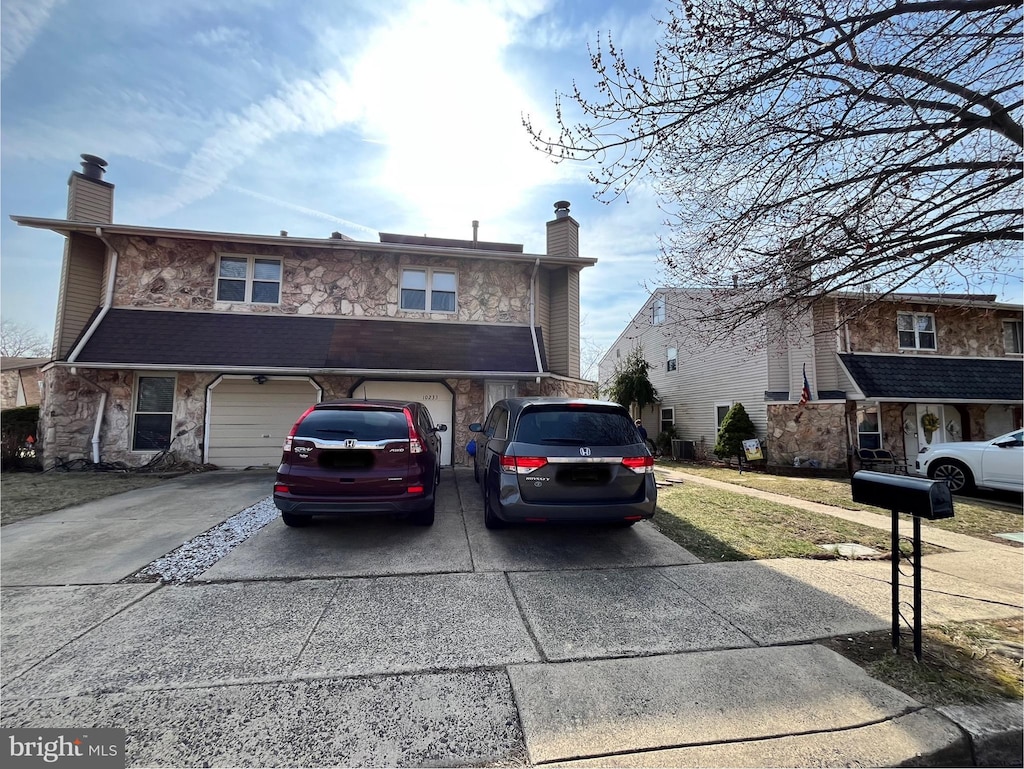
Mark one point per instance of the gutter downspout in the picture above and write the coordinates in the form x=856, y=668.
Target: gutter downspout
x=533, y=326
x=107, y=302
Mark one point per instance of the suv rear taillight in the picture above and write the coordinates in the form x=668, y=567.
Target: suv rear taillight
x=295, y=427
x=521, y=465
x=415, y=444
x=644, y=464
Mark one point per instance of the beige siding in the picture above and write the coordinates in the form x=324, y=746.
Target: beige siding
x=81, y=288
x=558, y=347
x=572, y=364
x=89, y=201
x=563, y=237
x=826, y=364
x=729, y=371
x=249, y=422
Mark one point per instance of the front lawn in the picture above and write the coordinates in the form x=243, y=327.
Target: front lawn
x=974, y=517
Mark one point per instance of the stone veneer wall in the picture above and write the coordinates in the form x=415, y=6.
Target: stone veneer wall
x=813, y=431
x=67, y=422
x=181, y=275
x=960, y=331
x=9, y=388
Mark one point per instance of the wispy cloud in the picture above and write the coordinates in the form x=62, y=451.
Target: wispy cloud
x=21, y=21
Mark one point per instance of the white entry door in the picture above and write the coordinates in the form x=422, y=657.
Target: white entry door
x=931, y=424
x=435, y=396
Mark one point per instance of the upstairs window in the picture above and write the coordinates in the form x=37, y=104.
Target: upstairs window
x=916, y=330
x=425, y=288
x=671, y=363
x=1012, y=336
x=252, y=279
x=658, y=311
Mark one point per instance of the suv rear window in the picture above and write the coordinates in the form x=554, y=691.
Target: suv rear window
x=586, y=426
x=364, y=424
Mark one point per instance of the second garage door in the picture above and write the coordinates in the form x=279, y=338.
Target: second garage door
x=248, y=422
x=435, y=396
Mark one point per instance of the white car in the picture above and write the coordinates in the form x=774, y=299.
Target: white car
x=994, y=464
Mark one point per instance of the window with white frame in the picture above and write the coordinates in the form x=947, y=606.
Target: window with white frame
x=916, y=330
x=428, y=290
x=670, y=364
x=658, y=311
x=668, y=418
x=869, y=432
x=251, y=279
x=1012, y=336
x=154, y=410
x=721, y=409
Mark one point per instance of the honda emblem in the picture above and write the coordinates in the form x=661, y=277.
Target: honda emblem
x=584, y=452
x=350, y=443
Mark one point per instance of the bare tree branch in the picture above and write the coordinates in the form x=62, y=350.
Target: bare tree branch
x=883, y=137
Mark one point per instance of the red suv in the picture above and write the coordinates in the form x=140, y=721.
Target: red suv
x=360, y=456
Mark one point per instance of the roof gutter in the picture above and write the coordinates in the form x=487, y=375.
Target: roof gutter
x=533, y=326
x=108, y=300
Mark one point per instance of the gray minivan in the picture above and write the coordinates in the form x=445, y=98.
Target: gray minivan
x=562, y=459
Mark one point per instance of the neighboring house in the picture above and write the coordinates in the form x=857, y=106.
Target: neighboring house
x=214, y=343
x=19, y=381
x=873, y=374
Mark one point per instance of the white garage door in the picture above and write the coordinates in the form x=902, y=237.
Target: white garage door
x=435, y=396
x=248, y=422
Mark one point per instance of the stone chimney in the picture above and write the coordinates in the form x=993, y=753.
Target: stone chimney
x=563, y=232
x=90, y=199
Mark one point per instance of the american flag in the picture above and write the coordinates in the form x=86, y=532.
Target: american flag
x=805, y=394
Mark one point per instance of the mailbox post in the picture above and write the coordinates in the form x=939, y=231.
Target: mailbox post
x=920, y=498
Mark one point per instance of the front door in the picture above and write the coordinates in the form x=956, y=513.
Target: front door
x=931, y=424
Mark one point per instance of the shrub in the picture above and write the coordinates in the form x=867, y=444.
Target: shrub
x=736, y=428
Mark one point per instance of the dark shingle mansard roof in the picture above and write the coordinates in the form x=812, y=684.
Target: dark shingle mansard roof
x=136, y=338
x=920, y=377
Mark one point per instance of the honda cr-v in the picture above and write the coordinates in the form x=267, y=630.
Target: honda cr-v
x=360, y=456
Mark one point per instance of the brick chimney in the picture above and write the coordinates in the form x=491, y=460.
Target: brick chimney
x=90, y=199
x=563, y=232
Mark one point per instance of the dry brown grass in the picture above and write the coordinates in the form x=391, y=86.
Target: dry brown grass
x=24, y=495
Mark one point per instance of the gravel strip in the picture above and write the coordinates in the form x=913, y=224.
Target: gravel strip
x=200, y=553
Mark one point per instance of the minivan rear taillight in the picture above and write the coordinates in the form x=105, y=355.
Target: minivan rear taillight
x=644, y=464
x=415, y=444
x=521, y=465
x=295, y=427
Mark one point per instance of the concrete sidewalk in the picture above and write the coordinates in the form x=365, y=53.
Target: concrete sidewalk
x=373, y=643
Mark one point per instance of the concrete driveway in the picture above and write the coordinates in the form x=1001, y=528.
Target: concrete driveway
x=371, y=642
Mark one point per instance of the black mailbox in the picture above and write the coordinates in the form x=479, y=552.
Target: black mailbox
x=919, y=497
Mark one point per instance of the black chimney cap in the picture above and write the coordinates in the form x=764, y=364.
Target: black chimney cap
x=93, y=166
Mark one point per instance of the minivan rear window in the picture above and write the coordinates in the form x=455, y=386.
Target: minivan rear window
x=363, y=424
x=589, y=426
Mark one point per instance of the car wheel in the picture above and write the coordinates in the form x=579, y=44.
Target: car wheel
x=956, y=475
x=291, y=519
x=423, y=517
x=491, y=521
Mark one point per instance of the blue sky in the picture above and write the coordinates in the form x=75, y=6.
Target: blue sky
x=267, y=115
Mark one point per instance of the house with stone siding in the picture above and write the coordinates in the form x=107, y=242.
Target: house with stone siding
x=874, y=372
x=19, y=381
x=213, y=343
